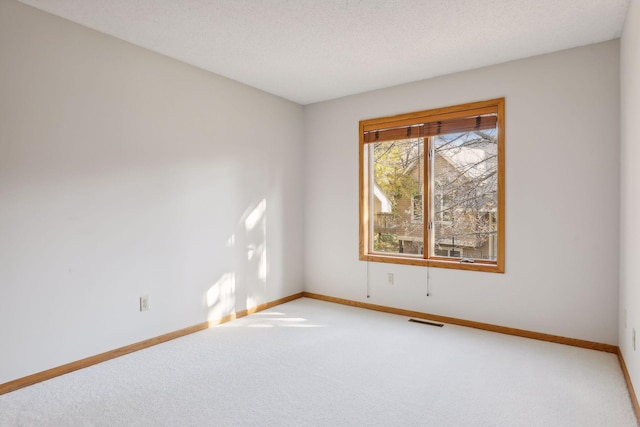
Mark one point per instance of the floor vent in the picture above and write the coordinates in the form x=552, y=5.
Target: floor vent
x=425, y=322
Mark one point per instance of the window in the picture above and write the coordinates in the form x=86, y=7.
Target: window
x=434, y=176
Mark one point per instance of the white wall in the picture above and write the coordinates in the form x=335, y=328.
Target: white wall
x=124, y=173
x=630, y=192
x=562, y=198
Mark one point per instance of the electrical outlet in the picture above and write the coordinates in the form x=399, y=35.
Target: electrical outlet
x=144, y=303
x=633, y=339
x=390, y=278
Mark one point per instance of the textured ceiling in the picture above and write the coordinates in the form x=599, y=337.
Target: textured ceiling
x=314, y=50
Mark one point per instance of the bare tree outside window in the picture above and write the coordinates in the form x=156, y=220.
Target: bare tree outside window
x=465, y=181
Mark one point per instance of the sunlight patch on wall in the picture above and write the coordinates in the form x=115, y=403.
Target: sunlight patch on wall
x=251, y=303
x=221, y=298
x=262, y=265
x=256, y=215
x=257, y=221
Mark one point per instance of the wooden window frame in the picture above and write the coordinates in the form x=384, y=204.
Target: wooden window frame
x=383, y=124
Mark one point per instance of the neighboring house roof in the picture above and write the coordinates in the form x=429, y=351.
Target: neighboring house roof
x=461, y=157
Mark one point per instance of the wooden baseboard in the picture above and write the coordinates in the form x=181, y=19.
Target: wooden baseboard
x=243, y=313
x=632, y=393
x=93, y=360
x=471, y=324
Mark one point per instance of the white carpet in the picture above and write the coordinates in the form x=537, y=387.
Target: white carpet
x=312, y=363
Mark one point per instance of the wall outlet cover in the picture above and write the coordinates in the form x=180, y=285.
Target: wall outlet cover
x=144, y=303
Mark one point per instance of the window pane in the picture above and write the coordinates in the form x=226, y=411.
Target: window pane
x=397, y=196
x=465, y=184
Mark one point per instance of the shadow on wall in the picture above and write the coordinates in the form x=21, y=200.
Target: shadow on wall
x=248, y=278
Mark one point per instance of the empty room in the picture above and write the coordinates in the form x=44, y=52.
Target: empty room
x=319, y=213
